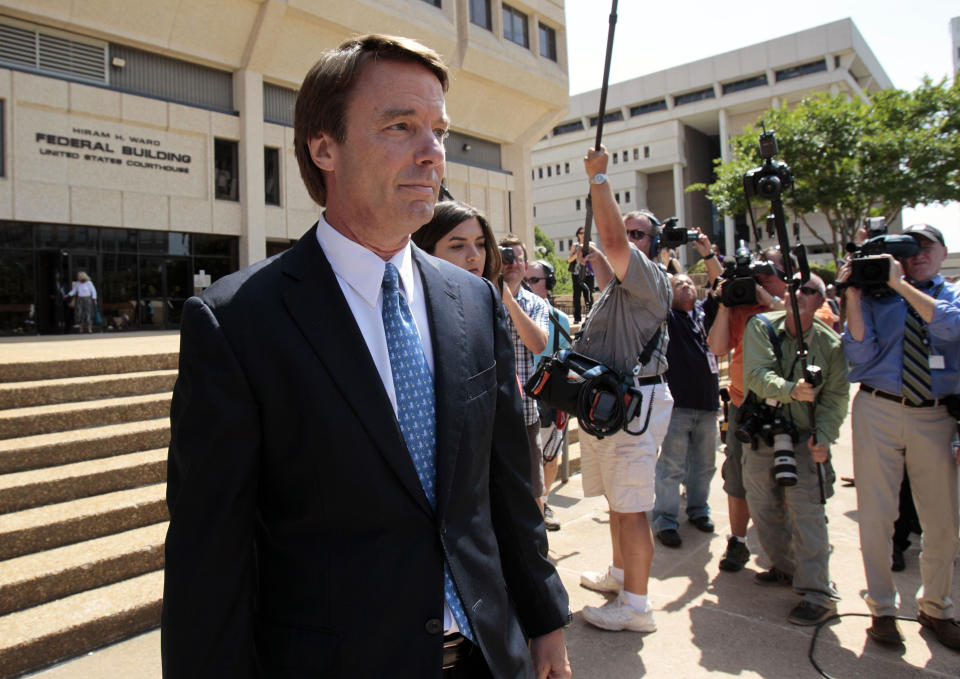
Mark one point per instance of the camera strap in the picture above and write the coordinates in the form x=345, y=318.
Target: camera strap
x=558, y=330
x=777, y=350
x=644, y=356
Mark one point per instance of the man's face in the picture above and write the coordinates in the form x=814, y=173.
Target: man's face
x=513, y=273
x=537, y=280
x=925, y=264
x=809, y=300
x=384, y=178
x=684, y=293
x=639, y=226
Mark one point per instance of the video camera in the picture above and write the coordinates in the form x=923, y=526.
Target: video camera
x=740, y=277
x=772, y=178
x=672, y=235
x=765, y=421
x=869, y=269
x=507, y=254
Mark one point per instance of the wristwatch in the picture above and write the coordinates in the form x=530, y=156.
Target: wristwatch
x=598, y=178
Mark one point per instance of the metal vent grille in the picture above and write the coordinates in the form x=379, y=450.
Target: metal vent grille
x=278, y=104
x=47, y=51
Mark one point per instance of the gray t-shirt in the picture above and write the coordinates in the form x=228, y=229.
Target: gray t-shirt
x=625, y=317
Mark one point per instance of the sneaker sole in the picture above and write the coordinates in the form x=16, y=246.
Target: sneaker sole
x=732, y=566
x=619, y=628
x=884, y=641
x=599, y=588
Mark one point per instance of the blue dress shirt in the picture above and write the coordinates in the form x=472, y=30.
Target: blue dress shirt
x=877, y=361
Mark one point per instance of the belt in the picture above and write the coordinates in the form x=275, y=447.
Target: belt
x=652, y=379
x=902, y=400
x=456, y=647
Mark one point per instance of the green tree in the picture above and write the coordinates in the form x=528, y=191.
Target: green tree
x=546, y=251
x=853, y=159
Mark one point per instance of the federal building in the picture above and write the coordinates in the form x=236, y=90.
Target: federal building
x=664, y=130
x=150, y=143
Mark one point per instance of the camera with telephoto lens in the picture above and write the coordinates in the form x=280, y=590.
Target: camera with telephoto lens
x=507, y=254
x=672, y=235
x=740, y=277
x=764, y=421
x=869, y=269
x=772, y=178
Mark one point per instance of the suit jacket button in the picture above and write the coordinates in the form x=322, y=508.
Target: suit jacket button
x=434, y=626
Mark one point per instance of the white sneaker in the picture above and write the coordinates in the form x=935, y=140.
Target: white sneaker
x=600, y=581
x=618, y=615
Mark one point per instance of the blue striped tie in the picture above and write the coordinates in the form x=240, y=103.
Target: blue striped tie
x=916, y=359
x=413, y=385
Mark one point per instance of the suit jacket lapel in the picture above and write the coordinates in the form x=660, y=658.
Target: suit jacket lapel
x=313, y=297
x=448, y=333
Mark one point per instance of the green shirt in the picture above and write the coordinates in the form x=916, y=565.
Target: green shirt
x=762, y=374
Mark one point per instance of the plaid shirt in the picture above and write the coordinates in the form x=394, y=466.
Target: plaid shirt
x=539, y=313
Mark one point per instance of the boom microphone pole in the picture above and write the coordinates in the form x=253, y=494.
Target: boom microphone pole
x=588, y=223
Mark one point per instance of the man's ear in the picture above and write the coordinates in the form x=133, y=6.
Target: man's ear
x=321, y=151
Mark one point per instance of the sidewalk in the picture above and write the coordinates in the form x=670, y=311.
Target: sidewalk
x=711, y=623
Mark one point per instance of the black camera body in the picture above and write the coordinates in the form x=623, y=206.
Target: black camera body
x=672, y=236
x=869, y=269
x=772, y=178
x=507, y=254
x=740, y=277
x=764, y=421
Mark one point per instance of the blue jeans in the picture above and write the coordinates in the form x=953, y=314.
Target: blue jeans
x=688, y=455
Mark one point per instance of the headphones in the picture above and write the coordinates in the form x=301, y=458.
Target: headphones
x=550, y=275
x=655, y=236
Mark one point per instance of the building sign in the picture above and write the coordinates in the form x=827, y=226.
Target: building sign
x=75, y=150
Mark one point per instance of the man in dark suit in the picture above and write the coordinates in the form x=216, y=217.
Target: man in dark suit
x=348, y=499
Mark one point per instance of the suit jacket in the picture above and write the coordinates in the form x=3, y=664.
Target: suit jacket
x=301, y=543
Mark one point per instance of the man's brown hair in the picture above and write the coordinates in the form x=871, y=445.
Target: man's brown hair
x=322, y=100
x=510, y=240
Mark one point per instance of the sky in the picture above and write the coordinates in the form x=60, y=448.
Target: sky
x=910, y=39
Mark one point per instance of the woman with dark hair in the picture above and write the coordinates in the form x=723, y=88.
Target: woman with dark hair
x=461, y=235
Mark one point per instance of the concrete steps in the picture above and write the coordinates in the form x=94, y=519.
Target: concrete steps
x=83, y=514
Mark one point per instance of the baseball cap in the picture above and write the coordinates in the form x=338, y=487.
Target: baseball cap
x=927, y=231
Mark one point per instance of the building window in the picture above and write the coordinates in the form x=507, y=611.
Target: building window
x=617, y=196
x=607, y=118
x=559, y=246
x=578, y=205
x=566, y=168
x=745, y=84
x=616, y=157
x=836, y=59
x=650, y=107
x=515, y=26
x=568, y=127
x=271, y=175
x=480, y=14
x=626, y=197
x=534, y=210
x=549, y=171
x=646, y=151
x=3, y=150
x=690, y=97
x=558, y=169
x=52, y=52
x=435, y=3
x=624, y=156
x=548, y=43
x=802, y=69
x=636, y=154
x=540, y=172
x=227, y=170
x=533, y=174
x=569, y=243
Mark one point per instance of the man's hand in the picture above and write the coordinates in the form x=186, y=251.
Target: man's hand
x=766, y=299
x=702, y=244
x=820, y=452
x=803, y=391
x=602, y=271
x=596, y=161
x=549, y=653
x=896, y=273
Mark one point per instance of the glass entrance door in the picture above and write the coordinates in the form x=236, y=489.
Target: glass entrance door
x=53, y=282
x=165, y=284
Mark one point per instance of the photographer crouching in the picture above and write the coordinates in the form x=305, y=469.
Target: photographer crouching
x=625, y=331
x=779, y=469
x=903, y=344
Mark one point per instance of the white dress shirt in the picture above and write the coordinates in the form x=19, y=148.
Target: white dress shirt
x=360, y=275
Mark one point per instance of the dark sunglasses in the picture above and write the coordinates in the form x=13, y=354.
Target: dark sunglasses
x=637, y=234
x=807, y=290
x=533, y=280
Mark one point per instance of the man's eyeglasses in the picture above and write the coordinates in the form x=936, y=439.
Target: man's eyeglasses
x=533, y=280
x=637, y=234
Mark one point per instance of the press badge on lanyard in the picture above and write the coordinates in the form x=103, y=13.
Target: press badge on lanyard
x=937, y=362
x=715, y=367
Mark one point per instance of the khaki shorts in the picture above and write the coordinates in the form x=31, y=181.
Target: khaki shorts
x=623, y=467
